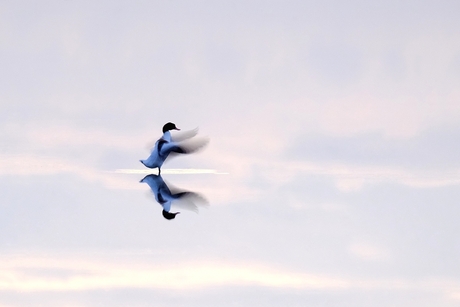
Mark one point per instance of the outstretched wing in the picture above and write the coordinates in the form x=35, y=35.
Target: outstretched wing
x=184, y=135
x=165, y=148
x=187, y=147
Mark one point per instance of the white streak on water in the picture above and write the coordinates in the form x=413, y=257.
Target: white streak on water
x=174, y=171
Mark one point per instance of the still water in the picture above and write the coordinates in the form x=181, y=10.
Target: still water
x=89, y=242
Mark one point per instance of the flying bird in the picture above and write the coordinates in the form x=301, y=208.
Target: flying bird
x=168, y=146
x=164, y=196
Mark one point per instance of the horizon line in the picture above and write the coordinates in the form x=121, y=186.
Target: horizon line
x=170, y=171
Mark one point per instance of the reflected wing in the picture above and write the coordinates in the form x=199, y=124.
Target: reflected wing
x=190, y=201
x=184, y=204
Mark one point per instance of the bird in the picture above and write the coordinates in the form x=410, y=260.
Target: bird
x=165, y=197
x=167, y=146
x=163, y=147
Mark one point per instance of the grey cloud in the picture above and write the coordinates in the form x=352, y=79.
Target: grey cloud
x=394, y=66
x=231, y=296
x=224, y=62
x=434, y=149
x=336, y=65
x=455, y=67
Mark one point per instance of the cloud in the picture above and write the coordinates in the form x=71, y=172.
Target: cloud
x=348, y=174
x=428, y=159
x=369, y=252
x=63, y=273
x=71, y=274
x=27, y=165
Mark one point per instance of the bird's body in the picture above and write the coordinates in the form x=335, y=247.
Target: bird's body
x=167, y=136
x=163, y=147
x=160, y=152
x=167, y=146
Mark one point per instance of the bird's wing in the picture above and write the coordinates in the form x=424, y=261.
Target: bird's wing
x=190, y=201
x=184, y=135
x=185, y=204
x=151, y=146
x=165, y=148
x=187, y=147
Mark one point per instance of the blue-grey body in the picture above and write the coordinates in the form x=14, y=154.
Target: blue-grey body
x=163, y=147
x=160, y=190
x=160, y=152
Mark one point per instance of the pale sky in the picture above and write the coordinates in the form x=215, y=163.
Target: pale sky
x=333, y=171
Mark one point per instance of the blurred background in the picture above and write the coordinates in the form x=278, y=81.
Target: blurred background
x=334, y=138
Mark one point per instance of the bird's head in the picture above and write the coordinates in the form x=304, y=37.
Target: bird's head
x=168, y=215
x=169, y=126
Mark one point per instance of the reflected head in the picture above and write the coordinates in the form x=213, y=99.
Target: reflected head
x=168, y=215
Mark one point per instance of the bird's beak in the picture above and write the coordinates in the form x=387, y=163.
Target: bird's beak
x=177, y=129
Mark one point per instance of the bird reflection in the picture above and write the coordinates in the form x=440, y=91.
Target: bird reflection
x=168, y=146
x=165, y=197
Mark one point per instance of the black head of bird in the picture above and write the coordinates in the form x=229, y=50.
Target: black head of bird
x=169, y=126
x=168, y=215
